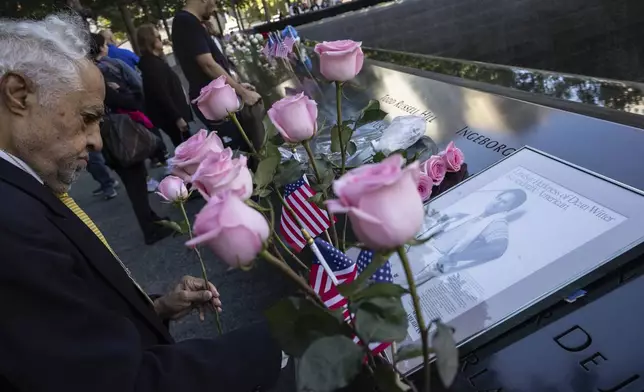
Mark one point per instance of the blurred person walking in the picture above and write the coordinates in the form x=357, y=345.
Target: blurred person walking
x=202, y=62
x=165, y=100
x=134, y=177
x=127, y=56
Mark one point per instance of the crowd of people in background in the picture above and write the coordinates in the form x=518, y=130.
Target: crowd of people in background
x=151, y=93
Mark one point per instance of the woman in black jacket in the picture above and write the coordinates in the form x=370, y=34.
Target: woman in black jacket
x=165, y=100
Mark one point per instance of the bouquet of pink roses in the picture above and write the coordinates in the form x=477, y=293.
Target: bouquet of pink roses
x=383, y=202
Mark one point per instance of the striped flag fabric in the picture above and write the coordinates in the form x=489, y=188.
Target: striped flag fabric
x=344, y=270
x=314, y=219
x=288, y=44
x=266, y=50
x=281, y=50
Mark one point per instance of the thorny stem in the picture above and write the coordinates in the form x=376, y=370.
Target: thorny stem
x=419, y=315
x=291, y=274
x=318, y=178
x=338, y=103
x=233, y=117
x=203, y=265
x=285, y=247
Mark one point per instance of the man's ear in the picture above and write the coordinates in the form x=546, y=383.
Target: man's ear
x=16, y=93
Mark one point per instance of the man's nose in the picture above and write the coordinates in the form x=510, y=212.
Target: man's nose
x=94, y=140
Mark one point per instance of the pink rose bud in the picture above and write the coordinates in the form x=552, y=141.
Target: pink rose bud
x=453, y=157
x=340, y=60
x=382, y=202
x=217, y=99
x=435, y=168
x=234, y=231
x=425, y=184
x=295, y=117
x=172, y=188
x=219, y=172
x=189, y=154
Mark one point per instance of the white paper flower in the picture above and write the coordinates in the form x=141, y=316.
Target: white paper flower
x=254, y=41
x=259, y=37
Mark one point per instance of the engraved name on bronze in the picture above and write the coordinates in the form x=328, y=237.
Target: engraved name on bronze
x=486, y=141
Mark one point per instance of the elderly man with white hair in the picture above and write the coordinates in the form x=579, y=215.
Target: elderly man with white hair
x=73, y=319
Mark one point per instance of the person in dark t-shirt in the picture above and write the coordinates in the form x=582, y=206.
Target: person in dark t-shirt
x=200, y=59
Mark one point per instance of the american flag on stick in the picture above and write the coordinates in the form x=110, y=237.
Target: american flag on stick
x=345, y=271
x=315, y=220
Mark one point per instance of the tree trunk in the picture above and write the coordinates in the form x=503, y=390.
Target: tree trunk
x=240, y=23
x=267, y=15
x=129, y=26
x=162, y=17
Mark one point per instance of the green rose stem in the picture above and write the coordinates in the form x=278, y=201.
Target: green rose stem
x=233, y=116
x=424, y=333
x=266, y=255
x=318, y=177
x=283, y=245
x=338, y=103
x=203, y=266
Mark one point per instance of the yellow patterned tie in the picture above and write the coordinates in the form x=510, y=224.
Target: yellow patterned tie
x=71, y=204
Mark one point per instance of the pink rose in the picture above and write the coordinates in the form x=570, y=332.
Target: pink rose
x=172, y=188
x=189, y=154
x=219, y=172
x=295, y=117
x=382, y=202
x=435, y=168
x=453, y=157
x=425, y=184
x=234, y=231
x=340, y=60
x=217, y=99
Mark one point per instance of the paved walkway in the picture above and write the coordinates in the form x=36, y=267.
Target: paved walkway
x=245, y=295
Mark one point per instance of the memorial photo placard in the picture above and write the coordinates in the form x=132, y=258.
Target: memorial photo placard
x=512, y=236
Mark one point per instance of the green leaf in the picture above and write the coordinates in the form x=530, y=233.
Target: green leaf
x=444, y=346
x=379, y=157
x=335, y=139
x=269, y=129
x=262, y=192
x=276, y=140
x=345, y=133
x=409, y=351
x=351, y=148
x=380, y=290
x=288, y=172
x=370, y=113
x=179, y=228
x=266, y=171
x=271, y=150
x=297, y=322
x=329, y=363
x=388, y=380
x=380, y=319
x=317, y=199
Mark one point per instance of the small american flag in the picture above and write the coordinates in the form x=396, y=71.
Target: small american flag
x=382, y=275
x=281, y=50
x=315, y=220
x=344, y=270
x=288, y=43
x=266, y=51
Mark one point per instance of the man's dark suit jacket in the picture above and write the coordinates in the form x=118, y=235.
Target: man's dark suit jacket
x=72, y=321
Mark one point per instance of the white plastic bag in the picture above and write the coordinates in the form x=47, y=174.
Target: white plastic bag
x=401, y=134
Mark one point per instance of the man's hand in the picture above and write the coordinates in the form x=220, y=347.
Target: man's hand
x=250, y=97
x=182, y=125
x=249, y=86
x=189, y=294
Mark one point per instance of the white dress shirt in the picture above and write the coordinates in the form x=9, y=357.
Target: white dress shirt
x=20, y=164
